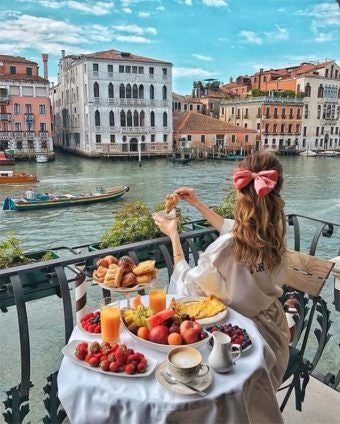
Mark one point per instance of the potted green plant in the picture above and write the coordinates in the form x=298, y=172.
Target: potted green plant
x=12, y=254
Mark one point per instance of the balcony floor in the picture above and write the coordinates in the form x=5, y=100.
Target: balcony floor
x=321, y=405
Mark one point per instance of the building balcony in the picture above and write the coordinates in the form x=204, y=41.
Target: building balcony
x=134, y=130
x=276, y=116
x=246, y=116
x=43, y=134
x=4, y=99
x=267, y=116
x=283, y=116
x=5, y=116
x=5, y=135
x=18, y=134
x=291, y=116
x=30, y=134
x=258, y=116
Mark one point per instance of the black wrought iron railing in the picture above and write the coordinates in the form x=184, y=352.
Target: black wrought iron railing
x=18, y=287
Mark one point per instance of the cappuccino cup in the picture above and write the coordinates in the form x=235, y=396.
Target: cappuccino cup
x=185, y=364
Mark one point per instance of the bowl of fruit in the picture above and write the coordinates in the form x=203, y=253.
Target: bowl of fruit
x=90, y=323
x=239, y=336
x=164, y=330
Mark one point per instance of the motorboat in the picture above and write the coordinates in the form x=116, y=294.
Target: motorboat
x=11, y=177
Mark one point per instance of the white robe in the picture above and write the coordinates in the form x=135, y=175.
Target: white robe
x=253, y=294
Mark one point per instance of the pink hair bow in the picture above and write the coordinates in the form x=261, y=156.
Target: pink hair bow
x=264, y=181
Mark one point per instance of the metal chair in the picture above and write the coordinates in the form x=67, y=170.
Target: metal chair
x=306, y=276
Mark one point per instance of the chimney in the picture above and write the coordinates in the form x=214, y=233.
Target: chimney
x=45, y=59
x=63, y=54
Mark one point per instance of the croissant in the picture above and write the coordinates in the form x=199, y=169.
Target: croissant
x=145, y=267
x=171, y=201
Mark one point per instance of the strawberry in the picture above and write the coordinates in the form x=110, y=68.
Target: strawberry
x=80, y=353
x=141, y=367
x=97, y=329
x=130, y=352
x=88, y=357
x=120, y=356
x=129, y=369
x=111, y=357
x=114, y=367
x=94, y=347
x=104, y=358
x=114, y=346
x=105, y=365
x=94, y=362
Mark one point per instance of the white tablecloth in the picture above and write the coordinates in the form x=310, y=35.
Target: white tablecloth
x=234, y=397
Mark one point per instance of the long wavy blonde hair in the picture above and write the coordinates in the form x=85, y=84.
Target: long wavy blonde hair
x=260, y=226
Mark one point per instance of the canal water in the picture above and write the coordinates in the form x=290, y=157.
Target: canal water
x=311, y=188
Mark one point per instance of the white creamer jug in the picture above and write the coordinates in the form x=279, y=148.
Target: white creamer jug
x=221, y=358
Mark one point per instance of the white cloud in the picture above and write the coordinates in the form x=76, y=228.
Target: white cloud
x=187, y=2
x=202, y=57
x=97, y=8
x=215, y=3
x=182, y=72
x=251, y=37
x=279, y=34
x=160, y=8
x=135, y=29
x=324, y=16
x=51, y=35
x=127, y=10
x=132, y=39
x=143, y=14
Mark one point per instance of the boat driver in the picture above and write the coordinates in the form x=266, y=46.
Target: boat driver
x=29, y=194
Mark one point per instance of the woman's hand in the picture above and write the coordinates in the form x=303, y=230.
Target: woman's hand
x=189, y=195
x=167, y=226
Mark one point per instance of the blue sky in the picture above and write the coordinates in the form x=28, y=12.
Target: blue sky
x=202, y=38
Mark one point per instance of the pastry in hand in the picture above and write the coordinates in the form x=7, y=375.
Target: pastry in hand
x=145, y=267
x=128, y=280
x=113, y=276
x=171, y=201
x=126, y=263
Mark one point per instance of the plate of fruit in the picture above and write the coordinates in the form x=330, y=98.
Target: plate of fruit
x=90, y=323
x=109, y=358
x=239, y=336
x=164, y=330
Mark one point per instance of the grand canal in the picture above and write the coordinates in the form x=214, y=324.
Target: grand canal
x=311, y=187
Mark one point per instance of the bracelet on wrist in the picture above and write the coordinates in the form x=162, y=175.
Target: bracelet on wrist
x=180, y=254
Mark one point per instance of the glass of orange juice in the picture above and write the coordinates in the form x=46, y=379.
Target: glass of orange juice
x=157, y=298
x=110, y=319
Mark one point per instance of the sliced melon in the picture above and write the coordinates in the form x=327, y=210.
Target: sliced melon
x=160, y=317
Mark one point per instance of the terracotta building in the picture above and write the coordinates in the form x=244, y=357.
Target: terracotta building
x=196, y=130
x=277, y=121
x=25, y=113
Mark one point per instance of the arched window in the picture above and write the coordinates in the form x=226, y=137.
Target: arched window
x=121, y=91
x=96, y=89
x=112, y=118
x=338, y=116
x=110, y=90
x=320, y=91
x=307, y=90
x=165, y=119
x=333, y=112
x=152, y=92
x=142, y=118
x=129, y=119
x=164, y=92
x=319, y=112
x=306, y=111
x=298, y=88
x=122, y=119
x=97, y=118
x=141, y=91
x=152, y=119
x=135, y=119
x=128, y=91
x=135, y=91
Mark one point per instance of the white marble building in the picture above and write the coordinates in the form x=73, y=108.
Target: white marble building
x=321, y=112
x=113, y=103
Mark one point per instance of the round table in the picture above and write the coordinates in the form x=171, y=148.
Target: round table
x=233, y=397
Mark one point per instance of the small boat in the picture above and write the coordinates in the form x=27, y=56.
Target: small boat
x=11, y=177
x=43, y=201
x=180, y=159
x=308, y=153
x=234, y=157
x=329, y=153
x=41, y=158
x=6, y=159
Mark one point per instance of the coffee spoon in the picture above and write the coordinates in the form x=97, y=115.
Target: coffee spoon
x=172, y=380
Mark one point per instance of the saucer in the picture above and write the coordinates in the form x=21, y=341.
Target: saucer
x=200, y=383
